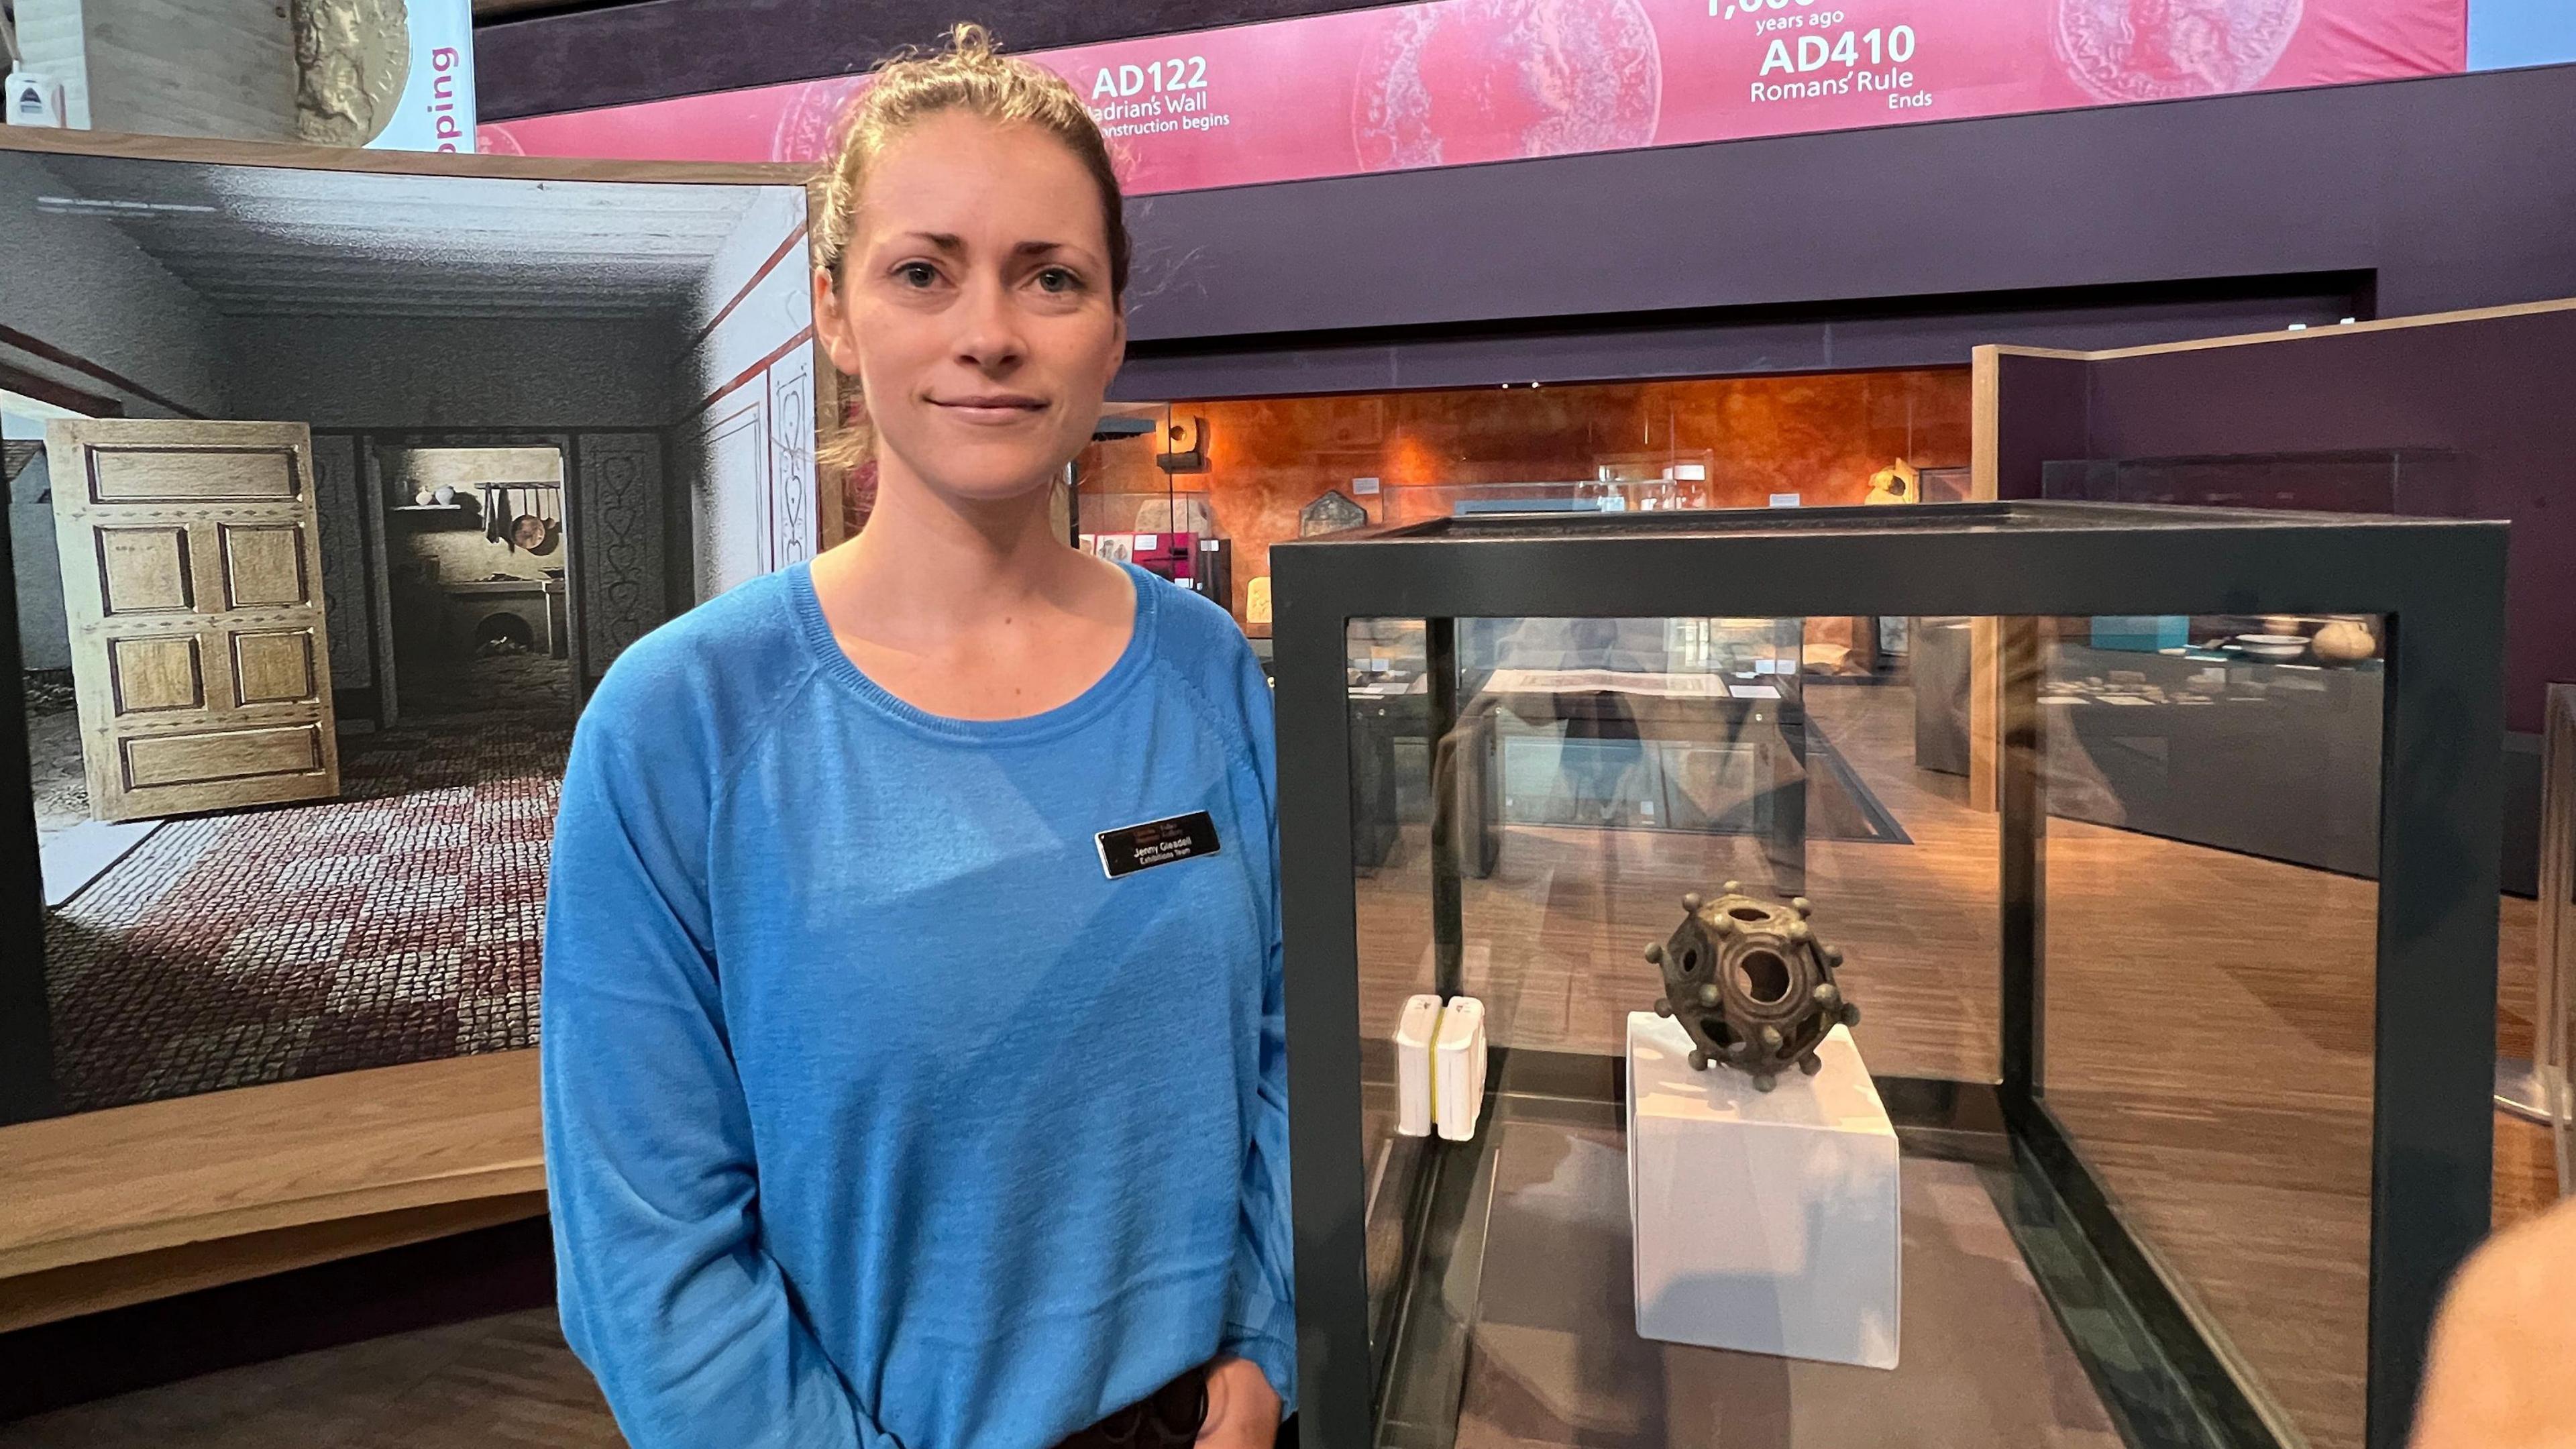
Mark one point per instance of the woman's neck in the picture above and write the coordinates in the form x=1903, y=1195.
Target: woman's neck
x=928, y=566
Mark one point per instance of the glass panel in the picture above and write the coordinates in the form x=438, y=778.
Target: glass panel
x=1618, y=763
x=1391, y=858
x=1590, y=773
x=1246, y=473
x=2212, y=788
x=2414, y=481
x=1625, y=762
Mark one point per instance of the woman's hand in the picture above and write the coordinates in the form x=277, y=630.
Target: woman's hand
x=1242, y=1408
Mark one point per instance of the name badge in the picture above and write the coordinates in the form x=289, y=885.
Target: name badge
x=1132, y=848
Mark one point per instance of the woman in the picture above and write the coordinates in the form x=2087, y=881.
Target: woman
x=914, y=1070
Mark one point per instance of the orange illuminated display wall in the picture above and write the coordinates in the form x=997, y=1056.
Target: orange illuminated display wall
x=1732, y=442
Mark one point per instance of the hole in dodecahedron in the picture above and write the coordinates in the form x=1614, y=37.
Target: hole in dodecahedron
x=1763, y=976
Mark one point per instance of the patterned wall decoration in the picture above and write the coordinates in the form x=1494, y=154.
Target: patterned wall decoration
x=336, y=501
x=618, y=527
x=795, y=532
x=730, y=511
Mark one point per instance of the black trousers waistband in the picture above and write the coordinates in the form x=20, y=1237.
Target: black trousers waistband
x=1169, y=1418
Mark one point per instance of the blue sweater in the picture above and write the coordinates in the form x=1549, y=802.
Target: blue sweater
x=876, y=1113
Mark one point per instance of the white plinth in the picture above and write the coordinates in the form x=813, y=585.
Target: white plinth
x=1765, y=1221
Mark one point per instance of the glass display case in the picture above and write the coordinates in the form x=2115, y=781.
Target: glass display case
x=2420, y=482
x=2114, y=961
x=1254, y=471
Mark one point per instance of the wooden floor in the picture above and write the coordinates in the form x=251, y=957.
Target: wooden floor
x=2208, y=1026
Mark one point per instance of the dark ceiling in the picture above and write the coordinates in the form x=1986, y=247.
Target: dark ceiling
x=537, y=56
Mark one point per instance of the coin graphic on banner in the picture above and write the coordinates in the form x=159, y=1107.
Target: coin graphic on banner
x=352, y=62
x=1492, y=80
x=808, y=128
x=2157, y=50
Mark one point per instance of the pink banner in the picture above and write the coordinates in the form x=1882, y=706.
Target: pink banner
x=1450, y=82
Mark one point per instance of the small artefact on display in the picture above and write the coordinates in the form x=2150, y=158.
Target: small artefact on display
x=1752, y=984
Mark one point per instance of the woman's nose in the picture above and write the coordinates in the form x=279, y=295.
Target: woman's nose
x=988, y=330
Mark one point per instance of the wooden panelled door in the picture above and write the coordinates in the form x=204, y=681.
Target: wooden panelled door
x=192, y=576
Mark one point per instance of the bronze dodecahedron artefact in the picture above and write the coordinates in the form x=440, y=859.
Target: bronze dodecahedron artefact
x=1751, y=983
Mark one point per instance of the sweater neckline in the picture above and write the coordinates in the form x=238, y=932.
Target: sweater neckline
x=836, y=665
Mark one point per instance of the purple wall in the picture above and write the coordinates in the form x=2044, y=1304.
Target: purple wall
x=2039, y=417
x=2496, y=391
x=2402, y=197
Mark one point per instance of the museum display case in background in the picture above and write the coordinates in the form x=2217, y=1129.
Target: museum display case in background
x=1258, y=471
x=2417, y=482
x=2147, y=1072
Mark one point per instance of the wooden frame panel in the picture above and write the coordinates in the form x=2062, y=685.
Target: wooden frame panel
x=100, y=1185
x=79, y=1288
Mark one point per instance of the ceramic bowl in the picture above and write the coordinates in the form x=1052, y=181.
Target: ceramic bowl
x=2273, y=646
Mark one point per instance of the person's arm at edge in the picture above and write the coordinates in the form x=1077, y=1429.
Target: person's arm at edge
x=665, y=1291
x=1261, y=1321
x=2496, y=1374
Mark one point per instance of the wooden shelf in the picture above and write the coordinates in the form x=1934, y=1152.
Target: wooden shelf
x=432, y=1141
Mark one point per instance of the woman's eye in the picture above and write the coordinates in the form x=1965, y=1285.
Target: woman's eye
x=1057, y=279
x=917, y=274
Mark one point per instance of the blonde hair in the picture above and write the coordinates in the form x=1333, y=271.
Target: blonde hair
x=970, y=75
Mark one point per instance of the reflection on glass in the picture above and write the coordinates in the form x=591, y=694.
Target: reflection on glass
x=1390, y=852
x=2418, y=482
x=1570, y=780
x=2212, y=786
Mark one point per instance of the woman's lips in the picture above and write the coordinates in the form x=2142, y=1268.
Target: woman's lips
x=991, y=408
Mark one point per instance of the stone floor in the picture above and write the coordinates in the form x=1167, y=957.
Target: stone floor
x=54, y=756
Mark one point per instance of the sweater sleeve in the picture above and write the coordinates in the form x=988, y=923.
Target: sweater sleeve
x=1261, y=1316
x=665, y=1291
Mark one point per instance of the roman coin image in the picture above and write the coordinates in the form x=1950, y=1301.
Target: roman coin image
x=352, y=60
x=2157, y=50
x=1491, y=80
x=809, y=125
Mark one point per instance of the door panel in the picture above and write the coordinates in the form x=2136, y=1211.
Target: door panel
x=145, y=675
x=264, y=565
x=143, y=570
x=211, y=756
x=273, y=666
x=154, y=474
x=199, y=648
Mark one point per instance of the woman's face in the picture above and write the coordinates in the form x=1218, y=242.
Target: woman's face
x=973, y=305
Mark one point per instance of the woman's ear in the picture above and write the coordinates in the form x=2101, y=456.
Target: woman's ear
x=832, y=323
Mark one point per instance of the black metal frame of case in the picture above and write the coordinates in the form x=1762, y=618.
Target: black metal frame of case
x=26, y=1031
x=2439, y=584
